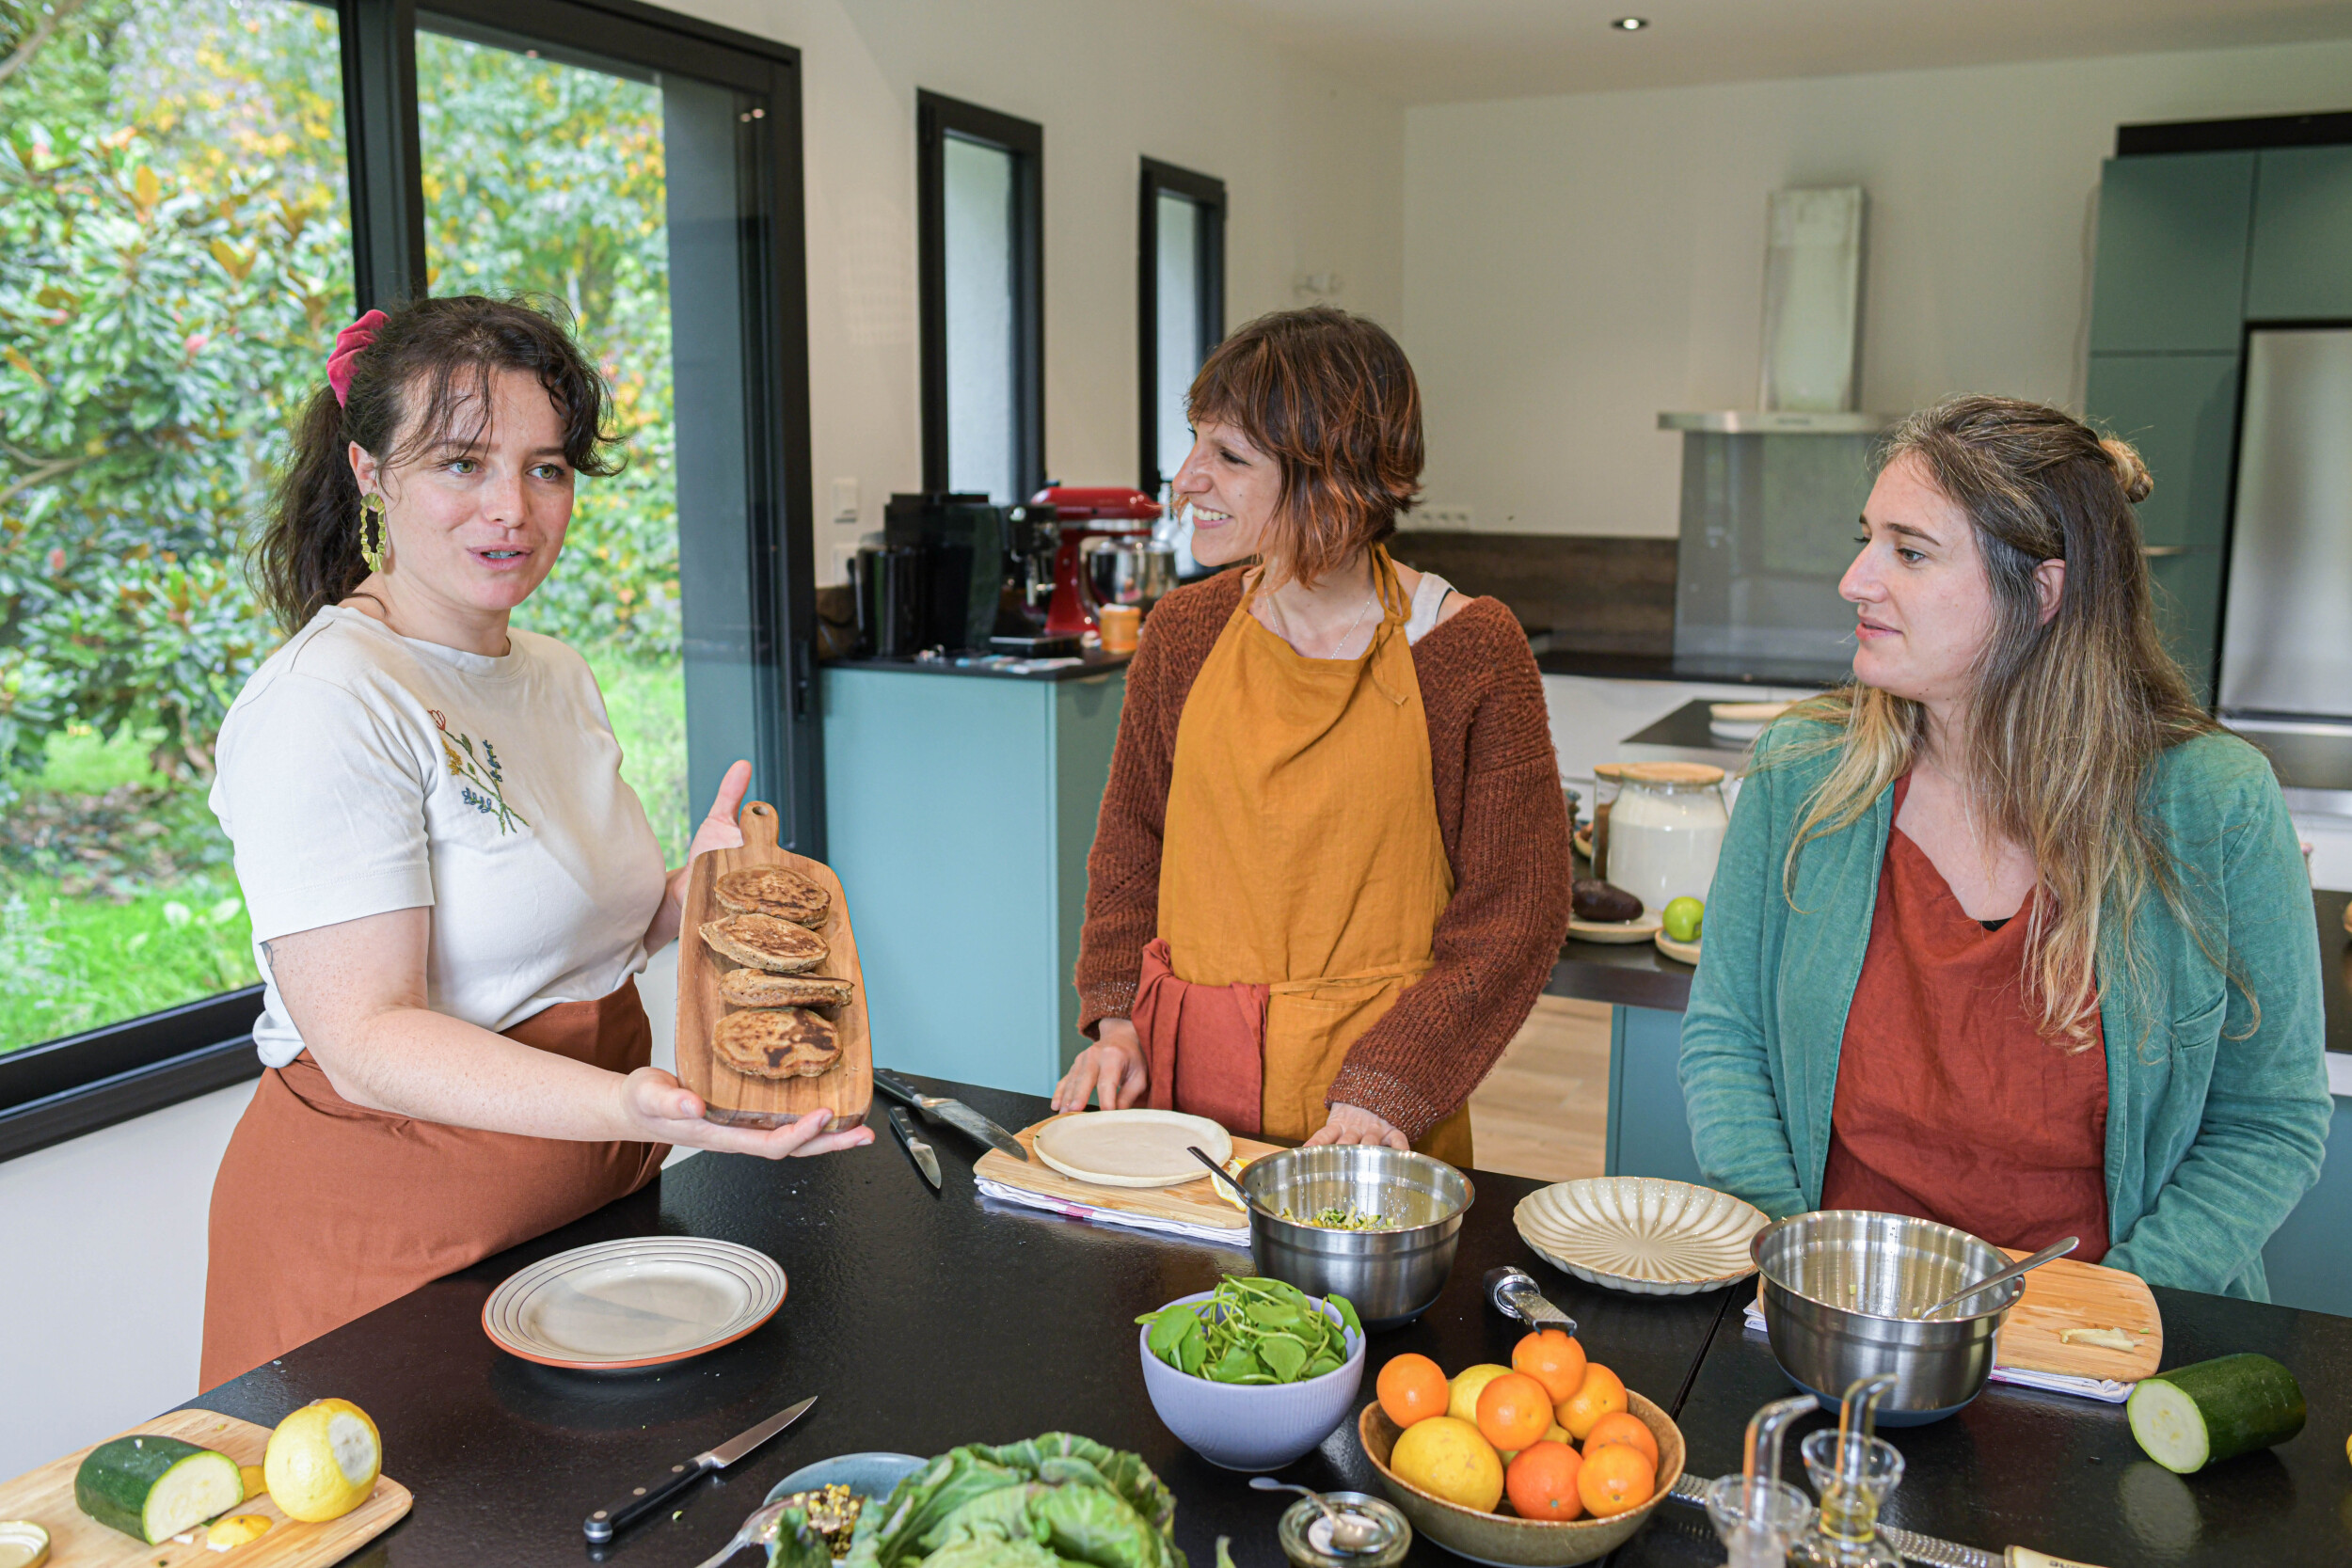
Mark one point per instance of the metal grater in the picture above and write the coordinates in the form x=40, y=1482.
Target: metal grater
x=1932, y=1550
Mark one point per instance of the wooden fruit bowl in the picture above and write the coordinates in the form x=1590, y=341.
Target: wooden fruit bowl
x=847, y=1088
x=1505, y=1538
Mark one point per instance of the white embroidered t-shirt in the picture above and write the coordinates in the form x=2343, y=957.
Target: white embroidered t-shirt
x=361, y=771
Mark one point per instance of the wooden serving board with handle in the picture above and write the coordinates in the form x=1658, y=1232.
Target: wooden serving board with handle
x=846, y=1089
x=1188, y=1202
x=77, y=1541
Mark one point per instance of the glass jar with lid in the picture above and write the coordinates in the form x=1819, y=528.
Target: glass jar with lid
x=1667, y=831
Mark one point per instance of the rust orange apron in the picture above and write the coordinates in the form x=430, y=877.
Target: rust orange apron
x=1301, y=876
x=324, y=1210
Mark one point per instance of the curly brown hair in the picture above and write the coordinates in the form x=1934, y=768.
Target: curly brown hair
x=1332, y=399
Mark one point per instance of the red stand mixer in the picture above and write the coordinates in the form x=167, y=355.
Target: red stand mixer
x=1110, y=512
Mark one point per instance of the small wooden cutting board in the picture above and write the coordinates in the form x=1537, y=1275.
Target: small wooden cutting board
x=1189, y=1202
x=77, y=1541
x=846, y=1087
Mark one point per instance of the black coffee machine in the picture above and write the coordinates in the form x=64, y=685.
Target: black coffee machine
x=956, y=573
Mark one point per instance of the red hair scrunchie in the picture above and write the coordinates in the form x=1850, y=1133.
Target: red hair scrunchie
x=348, y=343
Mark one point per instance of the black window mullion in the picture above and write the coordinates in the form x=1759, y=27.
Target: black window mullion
x=1208, y=193
x=379, y=47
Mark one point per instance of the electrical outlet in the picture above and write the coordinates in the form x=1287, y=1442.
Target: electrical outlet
x=1442, y=519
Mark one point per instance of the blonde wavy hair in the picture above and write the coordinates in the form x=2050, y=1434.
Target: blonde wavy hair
x=2066, y=716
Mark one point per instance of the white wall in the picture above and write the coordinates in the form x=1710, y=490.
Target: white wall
x=1313, y=170
x=1575, y=264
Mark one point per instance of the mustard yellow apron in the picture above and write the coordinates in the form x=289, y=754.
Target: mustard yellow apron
x=1301, y=850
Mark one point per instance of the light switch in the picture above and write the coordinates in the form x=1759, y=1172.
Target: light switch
x=845, y=508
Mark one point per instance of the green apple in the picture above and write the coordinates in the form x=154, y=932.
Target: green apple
x=1682, y=918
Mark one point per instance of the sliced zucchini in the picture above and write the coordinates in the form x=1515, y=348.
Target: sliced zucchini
x=151, y=1488
x=2192, y=1416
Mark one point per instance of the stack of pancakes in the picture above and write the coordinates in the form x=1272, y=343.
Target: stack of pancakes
x=772, y=932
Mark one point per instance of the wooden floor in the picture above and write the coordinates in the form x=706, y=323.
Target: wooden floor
x=1544, y=1111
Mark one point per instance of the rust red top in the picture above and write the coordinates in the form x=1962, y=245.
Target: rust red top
x=1950, y=1105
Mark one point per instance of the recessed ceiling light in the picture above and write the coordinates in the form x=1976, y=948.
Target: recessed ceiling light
x=1631, y=23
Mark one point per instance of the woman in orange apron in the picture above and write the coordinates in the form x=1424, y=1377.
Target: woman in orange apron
x=1332, y=871
x=451, y=888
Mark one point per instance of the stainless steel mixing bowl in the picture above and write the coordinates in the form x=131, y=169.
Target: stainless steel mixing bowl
x=1391, y=1276
x=1842, y=1289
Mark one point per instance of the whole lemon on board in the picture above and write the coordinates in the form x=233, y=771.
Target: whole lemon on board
x=1467, y=1384
x=1445, y=1456
x=323, y=1461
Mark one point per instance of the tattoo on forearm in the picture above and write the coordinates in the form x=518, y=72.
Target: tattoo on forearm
x=269, y=956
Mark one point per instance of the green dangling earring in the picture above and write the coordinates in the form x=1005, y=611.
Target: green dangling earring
x=375, y=540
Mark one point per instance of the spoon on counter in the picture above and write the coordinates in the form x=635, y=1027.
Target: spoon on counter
x=1350, y=1532
x=2055, y=1250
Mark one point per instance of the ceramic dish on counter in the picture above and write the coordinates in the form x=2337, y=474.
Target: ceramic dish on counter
x=1682, y=952
x=1641, y=929
x=1743, y=721
x=1130, y=1148
x=643, y=1301
x=1641, y=1234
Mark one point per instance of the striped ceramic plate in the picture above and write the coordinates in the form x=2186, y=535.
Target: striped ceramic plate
x=638, y=1302
x=1640, y=1233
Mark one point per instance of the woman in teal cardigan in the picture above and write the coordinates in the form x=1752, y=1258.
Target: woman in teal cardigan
x=2008, y=933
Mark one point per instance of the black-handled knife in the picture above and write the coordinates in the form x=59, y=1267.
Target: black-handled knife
x=955, y=1113
x=601, y=1524
x=918, y=1148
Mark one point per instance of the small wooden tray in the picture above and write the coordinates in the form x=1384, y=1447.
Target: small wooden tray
x=846, y=1087
x=1640, y=928
x=1682, y=952
x=77, y=1541
x=1189, y=1202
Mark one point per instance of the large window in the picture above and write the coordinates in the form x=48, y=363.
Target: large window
x=982, y=230
x=1180, y=305
x=178, y=239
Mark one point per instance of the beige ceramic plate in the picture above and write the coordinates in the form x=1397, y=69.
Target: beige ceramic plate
x=1641, y=929
x=638, y=1302
x=1640, y=1233
x=1130, y=1148
x=1682, y=952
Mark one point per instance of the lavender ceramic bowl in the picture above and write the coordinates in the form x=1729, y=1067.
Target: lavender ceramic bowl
x=1245, y=1426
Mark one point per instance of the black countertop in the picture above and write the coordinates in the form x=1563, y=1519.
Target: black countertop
x=1094, y=661
x=926, y=1321
x=1695, y=671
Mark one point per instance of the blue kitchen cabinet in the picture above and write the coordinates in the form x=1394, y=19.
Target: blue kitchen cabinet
x=2171, y=276
x=2302, y=267
x=959, y=810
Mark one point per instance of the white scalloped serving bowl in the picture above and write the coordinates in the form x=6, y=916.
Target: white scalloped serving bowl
x=1640, y=1233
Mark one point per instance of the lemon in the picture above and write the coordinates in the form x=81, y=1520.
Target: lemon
x=1470, y=1381
x=1447, y=1457
x=323, y=1461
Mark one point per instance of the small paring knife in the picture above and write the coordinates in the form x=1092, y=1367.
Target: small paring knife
x=917, y=1147
x=605, y=1522
x=955, y=1113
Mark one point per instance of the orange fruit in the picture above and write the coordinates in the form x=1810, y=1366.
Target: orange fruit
x=1554, y=1359
x=1514, y=1411
x=1412, y=1388
x=1470, y=1381
x=1541, y=1482
x=1623, y=1426
x=1614, y=1476
x=1601, y=1393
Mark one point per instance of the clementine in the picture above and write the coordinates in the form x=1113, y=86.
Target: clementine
x=1623, y=1426
x=1615, y=1478
x=1541, y=1482
x=1554, y=1359
x=1601, y=1393
x=1514, y=1411
x=1412, y=1388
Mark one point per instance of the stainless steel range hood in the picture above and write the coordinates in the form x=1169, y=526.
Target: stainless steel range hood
x=1778, y=421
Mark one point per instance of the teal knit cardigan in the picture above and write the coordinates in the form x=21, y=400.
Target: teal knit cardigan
x=2217, y=1118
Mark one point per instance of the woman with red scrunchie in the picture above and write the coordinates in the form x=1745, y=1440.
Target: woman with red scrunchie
x=451, y=888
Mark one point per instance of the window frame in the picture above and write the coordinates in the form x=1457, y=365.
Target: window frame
x=63, y=1088
x=1207, y=193
x=938, y=116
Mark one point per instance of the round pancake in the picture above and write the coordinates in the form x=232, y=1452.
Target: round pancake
x=765, y=942
x=776, y=1043
x=756, y=988
x=772, y=889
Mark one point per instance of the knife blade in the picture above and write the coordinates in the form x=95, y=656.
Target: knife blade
x=1932, y=1550
x=955, y=1113
x=602, y=1525
x=919, y=1150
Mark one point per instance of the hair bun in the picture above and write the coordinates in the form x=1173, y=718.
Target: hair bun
x=2129, y=472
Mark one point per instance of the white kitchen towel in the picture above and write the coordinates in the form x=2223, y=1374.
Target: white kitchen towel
x=2105, y=1389
x=1220, y=1235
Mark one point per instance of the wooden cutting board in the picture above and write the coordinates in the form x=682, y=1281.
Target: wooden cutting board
x=77, y=1541
x=2066, y=1294
x=1190, y=1202
x=846, y=1087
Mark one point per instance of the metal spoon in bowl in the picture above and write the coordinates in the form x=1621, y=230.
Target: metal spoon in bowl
x=2056, y=1249
x=1350, y=1532
x=757, y=1531
x=1219, y=1172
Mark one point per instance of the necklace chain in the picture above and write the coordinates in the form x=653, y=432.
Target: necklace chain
x=1334, y=651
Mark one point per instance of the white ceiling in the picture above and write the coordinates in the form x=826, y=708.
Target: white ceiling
x=1437, y=51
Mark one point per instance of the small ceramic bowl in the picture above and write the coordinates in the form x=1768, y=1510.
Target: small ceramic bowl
x=1239, y=1426
x=870, y=1475
x=1506, y=1540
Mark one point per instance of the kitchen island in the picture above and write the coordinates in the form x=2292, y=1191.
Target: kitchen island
x=924, y=1321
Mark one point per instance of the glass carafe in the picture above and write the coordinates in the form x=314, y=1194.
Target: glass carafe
x=1667, y=831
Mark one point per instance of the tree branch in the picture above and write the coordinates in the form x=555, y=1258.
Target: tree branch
x=55, y=468
x=58, y=11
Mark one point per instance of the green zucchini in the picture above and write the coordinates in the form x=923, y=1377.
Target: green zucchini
x=2192, y=1416
x=152, y=1488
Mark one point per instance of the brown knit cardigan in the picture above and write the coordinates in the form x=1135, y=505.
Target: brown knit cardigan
x=1498, y=808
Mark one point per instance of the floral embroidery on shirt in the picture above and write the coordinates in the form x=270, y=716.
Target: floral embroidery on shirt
x=482, y=779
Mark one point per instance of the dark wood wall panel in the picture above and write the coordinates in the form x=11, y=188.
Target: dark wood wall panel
x=1596, y=593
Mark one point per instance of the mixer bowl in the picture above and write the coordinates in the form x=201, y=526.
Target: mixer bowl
x=1129, y=571
x=1390, y=1276
x=1841, y=1288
